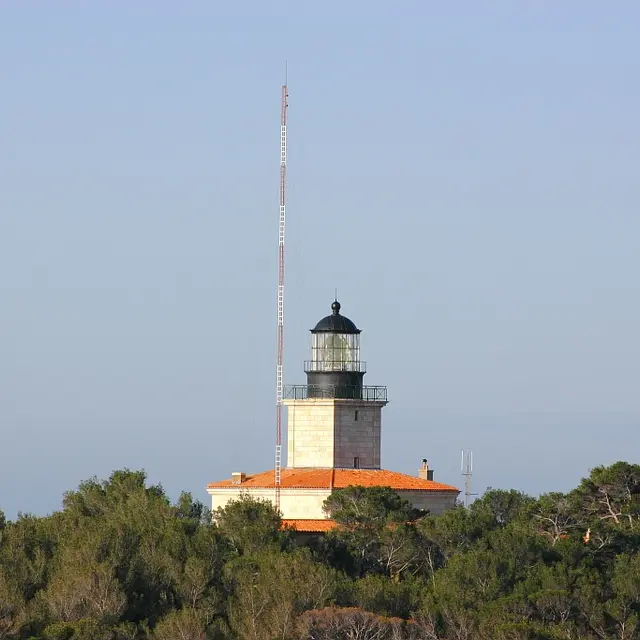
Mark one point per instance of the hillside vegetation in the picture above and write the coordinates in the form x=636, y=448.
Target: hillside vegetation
x=119, y=561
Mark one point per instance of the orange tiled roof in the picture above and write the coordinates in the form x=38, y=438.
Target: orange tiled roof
x=310, y=526
x=318, y=525
x=309, y=478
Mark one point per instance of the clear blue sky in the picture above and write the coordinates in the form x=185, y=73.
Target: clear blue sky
x=465, y=173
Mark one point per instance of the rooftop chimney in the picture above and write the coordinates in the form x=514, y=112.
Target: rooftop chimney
x=238, y=477
x=425, y=473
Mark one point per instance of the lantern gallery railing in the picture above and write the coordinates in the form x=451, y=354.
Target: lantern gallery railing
x=313, y=366
x=307, y=391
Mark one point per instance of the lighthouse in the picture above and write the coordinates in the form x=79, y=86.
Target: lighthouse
x=334, y=421
x=334, y=428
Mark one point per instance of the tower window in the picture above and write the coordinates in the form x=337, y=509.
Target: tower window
x=356, y=415
x=356, y=463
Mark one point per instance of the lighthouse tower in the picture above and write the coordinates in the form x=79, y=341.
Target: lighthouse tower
x=334, y=421
x=333, y=438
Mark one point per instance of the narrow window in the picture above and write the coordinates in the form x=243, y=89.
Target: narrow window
x=356, y=463
x=356, y=415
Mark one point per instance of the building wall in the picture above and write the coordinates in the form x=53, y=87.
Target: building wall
x=295, y=504
x=357, y=438
x=306, y=504
x=436, y=502
x=326, y=433
x=310, y=433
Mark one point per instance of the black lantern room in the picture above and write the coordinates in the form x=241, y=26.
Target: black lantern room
x=335, y=369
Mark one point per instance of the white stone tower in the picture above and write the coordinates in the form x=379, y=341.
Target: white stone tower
x=334, y=421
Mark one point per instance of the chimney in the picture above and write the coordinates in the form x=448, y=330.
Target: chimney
x=425, y=473
x=238, y=477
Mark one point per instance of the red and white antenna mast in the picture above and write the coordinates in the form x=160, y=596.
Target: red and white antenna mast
x=283, y=199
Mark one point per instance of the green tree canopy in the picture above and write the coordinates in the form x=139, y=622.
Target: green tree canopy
x=251, y=525
x=120, y=561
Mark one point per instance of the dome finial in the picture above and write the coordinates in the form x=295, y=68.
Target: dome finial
x=335, y=323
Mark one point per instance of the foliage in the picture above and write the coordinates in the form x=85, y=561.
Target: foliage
x=350, y=624
x=270, y=590
x=377, y=533
x=121, y=562
x=249, y=525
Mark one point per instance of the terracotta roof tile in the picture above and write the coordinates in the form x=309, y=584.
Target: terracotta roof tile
x=310, y=526
x=336, y=479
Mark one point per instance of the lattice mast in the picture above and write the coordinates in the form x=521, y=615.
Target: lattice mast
x=283, y=202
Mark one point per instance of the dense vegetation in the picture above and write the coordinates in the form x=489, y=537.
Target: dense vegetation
x=119, y=561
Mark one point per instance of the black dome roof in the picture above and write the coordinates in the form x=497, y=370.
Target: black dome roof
x=335, y=322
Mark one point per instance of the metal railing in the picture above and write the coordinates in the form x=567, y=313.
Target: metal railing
x=313, y=366
x=307, y=391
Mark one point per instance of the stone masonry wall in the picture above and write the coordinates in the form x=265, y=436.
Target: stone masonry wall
x=295, y=504
x=333, y=433
x=310, y=433
x=436, y=502
x=306, y=504
x=357, y=435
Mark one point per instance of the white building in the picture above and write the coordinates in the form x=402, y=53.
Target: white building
x=333, y=438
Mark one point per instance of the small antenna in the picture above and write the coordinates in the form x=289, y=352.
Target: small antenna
x=336, y=296
x=466, y=468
